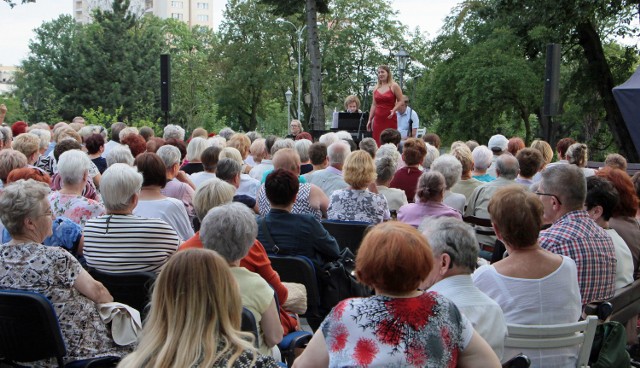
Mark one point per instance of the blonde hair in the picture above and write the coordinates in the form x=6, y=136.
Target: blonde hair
x=212, y=193
x=389, y=76
x=359, y=169
x=544, y=148
x=196, y=306
x=241, y=142
x=351, y=99
x=232, y=153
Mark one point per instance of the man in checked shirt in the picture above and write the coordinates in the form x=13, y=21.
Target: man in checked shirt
x=573, y=234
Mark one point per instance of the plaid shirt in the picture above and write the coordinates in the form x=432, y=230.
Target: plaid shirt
x=576, y=236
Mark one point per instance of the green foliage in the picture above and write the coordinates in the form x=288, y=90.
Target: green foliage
x=14, y=109
x=101, y=117
x=290, y=7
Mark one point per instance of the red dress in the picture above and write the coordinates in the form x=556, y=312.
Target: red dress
x=385, y=102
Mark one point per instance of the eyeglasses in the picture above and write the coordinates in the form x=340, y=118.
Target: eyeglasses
x=550, y=195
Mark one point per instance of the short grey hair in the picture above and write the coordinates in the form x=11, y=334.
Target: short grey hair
x=449, y=167
x=226, y=133
x=568, y=183
x=169, y=154
x=369, y=145
x=22, y=199
x=126, y=131
x=72, y=166
x=455, y=238
x=338, y=152
x=344, y=135
x=120, y=154
x=217, y=141
x=430, y=184
x=232, y=153
x=173, y=131
x=118, y=184
x=10, y=160
x=385, y=168
x=44, y=135
x=89, y=130
x=230, y=230
x=282, y=143
x=432, y=155
x=302, y=146
x=195, y=148
x=253, y=135
x=228, y=168
x=482, y=157
x=212, y=193
x=7, y=135
x=328, y=138
x=388, y=150
x=507, y=166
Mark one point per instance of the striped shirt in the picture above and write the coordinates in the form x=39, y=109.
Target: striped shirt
x=578, y=237
x=127, y=243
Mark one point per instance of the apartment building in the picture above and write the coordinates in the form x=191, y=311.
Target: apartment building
x=192, y=12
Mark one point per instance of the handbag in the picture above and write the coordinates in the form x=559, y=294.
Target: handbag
x=338, y=281
x=608, y=350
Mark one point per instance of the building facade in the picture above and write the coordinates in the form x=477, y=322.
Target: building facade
x=192, y=12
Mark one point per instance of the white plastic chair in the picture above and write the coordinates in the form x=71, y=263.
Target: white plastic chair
x=420, y=132
x=555, y=336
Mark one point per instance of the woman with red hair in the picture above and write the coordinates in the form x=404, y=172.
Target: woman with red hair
x=623, y=219
x=400, y=325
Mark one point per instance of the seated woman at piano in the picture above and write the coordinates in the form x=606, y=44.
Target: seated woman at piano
x=352, y=104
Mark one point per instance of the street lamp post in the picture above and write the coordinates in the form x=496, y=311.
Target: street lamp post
x=299, y=34
x=402, y=56
x=288, y=95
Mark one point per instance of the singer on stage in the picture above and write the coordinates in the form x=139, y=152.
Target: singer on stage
x=387, y=98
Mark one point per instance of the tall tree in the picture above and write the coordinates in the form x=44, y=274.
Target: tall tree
x=582, y=24
x=251, y=59
x=311, y=8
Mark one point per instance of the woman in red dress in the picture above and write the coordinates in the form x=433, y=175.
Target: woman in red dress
x=387, y=98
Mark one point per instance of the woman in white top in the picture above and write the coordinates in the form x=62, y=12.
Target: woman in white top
x=532, y=286
x=385, y=169
x=152, y=203
x=248, y=185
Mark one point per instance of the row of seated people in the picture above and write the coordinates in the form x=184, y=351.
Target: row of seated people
x=364, y=166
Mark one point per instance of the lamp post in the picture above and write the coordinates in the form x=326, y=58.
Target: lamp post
x=299, y=34
x=288, y=95
x=402, y=56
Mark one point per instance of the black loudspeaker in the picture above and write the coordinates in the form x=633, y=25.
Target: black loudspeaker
x=551, y=104
x=165, y=82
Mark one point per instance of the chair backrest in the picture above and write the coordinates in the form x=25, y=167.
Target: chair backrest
x=481, y=225
x=299, y=269
x=249, y=324
x=348, y=234
x=29, y=329
x=554, y=336
x=133, y=288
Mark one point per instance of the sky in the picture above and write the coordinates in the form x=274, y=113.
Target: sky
x=17, y=24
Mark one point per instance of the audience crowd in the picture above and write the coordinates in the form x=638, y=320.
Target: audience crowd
x=205, y=212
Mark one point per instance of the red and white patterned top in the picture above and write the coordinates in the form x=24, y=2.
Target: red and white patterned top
x=423, y=331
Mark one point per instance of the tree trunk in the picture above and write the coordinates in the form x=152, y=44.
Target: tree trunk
x=589, y=40
x=316, y=118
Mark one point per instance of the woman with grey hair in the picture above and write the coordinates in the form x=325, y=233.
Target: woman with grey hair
x=120, y=242
x=179, y=185
x=577, y=154
x=302, y=146
x=482, y=159
x=369, y=145
x=195, y=148
x=44, y=162
x=120, y=154
x=231, y=230
x=385, y=169
x=53, y=272
x=7, y=137
x=226, y=133
x=449, y=166
x=248, y=186
x=173, y=131
x=432, y=155
x=430, y=192
x=68, y=201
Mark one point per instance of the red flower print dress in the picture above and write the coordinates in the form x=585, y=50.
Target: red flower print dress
x=424, y=331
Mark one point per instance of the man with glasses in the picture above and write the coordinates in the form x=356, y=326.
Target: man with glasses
x=408, y=121
x=574, y=234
